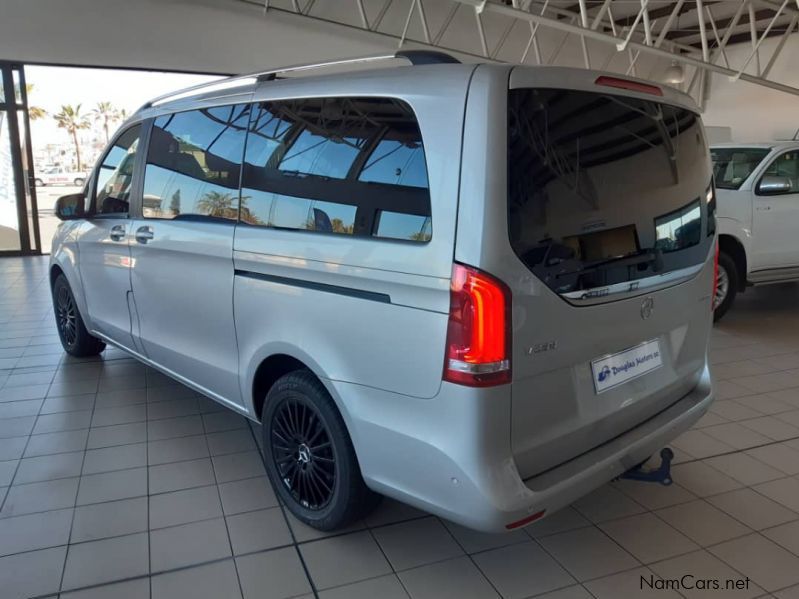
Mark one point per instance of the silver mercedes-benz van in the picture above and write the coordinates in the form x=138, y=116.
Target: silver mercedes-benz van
x=481, y=289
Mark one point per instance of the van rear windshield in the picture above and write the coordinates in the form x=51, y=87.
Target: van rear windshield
x=606, y=193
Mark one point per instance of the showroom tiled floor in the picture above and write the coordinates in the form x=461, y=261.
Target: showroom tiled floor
x=117, y=482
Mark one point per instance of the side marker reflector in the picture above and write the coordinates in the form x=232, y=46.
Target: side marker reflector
x=527, y=520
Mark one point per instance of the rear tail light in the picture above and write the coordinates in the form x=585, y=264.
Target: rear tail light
x=715, y=278
x=478, y=332
x=633, y=86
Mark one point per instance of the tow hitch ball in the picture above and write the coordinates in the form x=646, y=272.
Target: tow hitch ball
x=661, y=474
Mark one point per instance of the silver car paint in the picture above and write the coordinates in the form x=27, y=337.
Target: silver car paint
x=452, y=450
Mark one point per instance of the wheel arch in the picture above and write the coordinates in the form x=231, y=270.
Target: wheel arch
x=733, y=247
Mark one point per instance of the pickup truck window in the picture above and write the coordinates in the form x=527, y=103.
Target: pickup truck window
x=732, y=166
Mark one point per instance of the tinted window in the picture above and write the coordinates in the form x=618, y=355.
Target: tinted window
x=348, y=166
x=786, y=166
x=605, y=190
x=194, y=164
x=115, y=175
x=732, y=166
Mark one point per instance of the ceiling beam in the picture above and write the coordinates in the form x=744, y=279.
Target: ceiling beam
x=760, y=15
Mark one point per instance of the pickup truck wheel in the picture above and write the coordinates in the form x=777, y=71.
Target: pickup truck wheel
x=75, y=339
x=309, y=455
x=726, y=287
x=78, y=182
x=38, y=183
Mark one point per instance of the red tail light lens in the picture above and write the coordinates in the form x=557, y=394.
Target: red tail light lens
x=715, y=278
x=478, y=332
x=635, y=86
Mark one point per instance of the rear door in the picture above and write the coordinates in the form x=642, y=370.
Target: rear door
x=182, y=246
x=605, y=207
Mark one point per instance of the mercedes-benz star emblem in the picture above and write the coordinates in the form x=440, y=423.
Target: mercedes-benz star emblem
x=647, y=307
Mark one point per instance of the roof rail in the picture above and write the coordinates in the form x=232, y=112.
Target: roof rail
x=415, y=57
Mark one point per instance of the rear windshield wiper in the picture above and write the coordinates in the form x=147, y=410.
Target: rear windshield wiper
x=650, y=256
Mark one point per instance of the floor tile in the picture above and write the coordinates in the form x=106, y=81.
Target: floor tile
x=703, y=480
x=416, y=543
x=784, y=491
x=138, y=588
x=110, y=486
x=753, y=509
x=32, y=574
x=120, y=434
x=234, y=441
x=120, y=457
x=247, y=495
x=786, y=535
x=473, y=541
x=211, y=581
x=237, y=466
x=390, y=511
x=698, y=444
x=258, y=531
x=16, y=427
x=344, y=559
x=110, y=519
x=49, y=467
x=744, y=468
x=223, y=421
x=65, y=421
x=172, y=428
x=11, y=449
x=176, y=476
x=51, y=443
x=34, y=531
x=177, y=450
x=452, y=579
x=588, y=553
x=736, y=435
x=277, y=574
x=654, y=497
x=40, y=497
x=766, y=563
x=68, y=403
x=606, y=503
x=172, y=409
x=648, y=538
x=108, y=560
x=180, y=507
x=519, y=571
x=703, y=523
x=7, y=471
x=119, y=415
x=15, y=409
x=188, y=545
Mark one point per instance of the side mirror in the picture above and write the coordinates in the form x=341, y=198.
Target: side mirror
x=772, y=185
x=70, y=207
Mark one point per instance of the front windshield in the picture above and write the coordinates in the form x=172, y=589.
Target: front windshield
x=732, y=166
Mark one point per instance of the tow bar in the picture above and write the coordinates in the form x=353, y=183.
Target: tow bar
x=661, y=474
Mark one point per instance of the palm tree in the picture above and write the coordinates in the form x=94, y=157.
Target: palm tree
x=106, y=114
x=215, y=203
x=72, y=120
x=34, y=112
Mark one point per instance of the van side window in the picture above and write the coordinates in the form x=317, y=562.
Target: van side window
x=347, y=166
x=194, y=164
x=115, y=175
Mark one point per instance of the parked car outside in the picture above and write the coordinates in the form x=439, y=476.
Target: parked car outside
x=59, y=175
x=758, y=216
x=461, y=286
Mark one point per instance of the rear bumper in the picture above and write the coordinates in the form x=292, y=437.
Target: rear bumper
x=451, y=455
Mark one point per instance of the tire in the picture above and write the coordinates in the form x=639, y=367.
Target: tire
x=727, y=286
x=78, y=182
x=318, y=480
x=38, y=183
x=75, y=339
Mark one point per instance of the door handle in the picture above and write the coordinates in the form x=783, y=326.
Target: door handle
x=144, y=234
x=117, y=233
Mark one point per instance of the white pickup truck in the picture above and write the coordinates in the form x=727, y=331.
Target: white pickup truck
x=58, y=175
x=757, y=192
